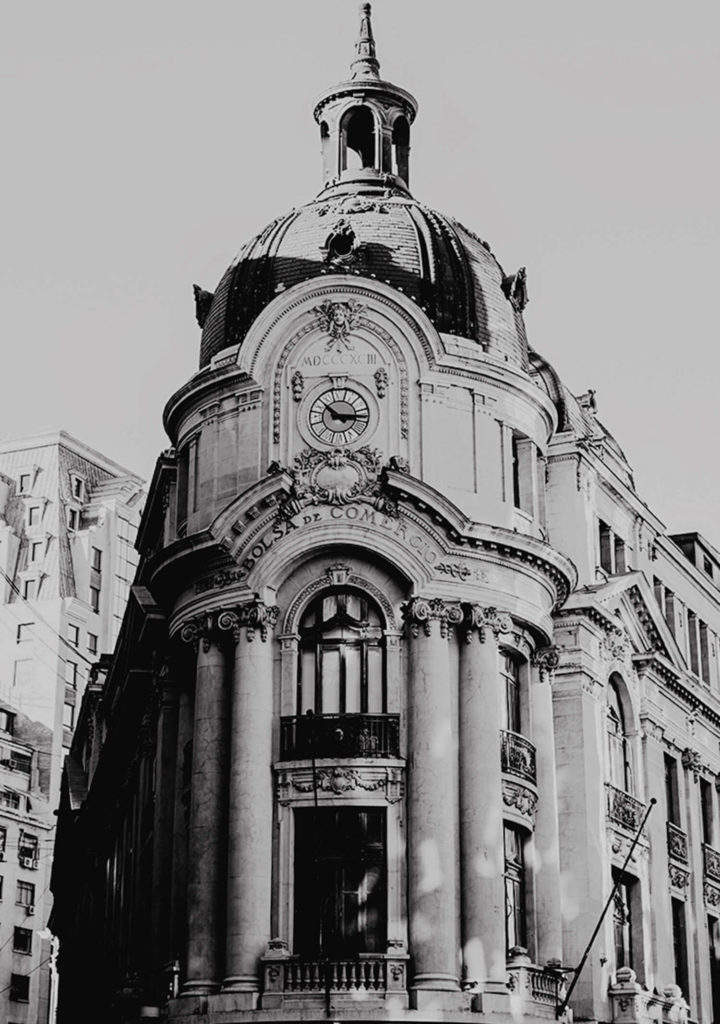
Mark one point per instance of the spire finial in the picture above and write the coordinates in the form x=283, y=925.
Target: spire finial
x=366, y=64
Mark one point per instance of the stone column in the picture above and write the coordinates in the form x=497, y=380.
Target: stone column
x=548, y=921
x=165, y=762
x=181, y=812
x=661, y=951
x=250, y=825
x=207, y=826
x=481, y=817
x=431, y=820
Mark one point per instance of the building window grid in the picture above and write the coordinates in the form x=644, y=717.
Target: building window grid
x=125, y=565
x=25, y=896
x=611, y=550
x=92, y=643
x=22, y=940
x=20, y=988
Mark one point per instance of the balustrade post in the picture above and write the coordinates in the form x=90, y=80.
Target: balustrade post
x=548, y=920
x=206, y=831
x=430, y=807
x=249, y=872
x=481, y=817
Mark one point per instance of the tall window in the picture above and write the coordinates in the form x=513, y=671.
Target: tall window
x=622, y=921
x=707, y=812
x=672, y=798
x=680, y=945
x=515, y=923
x=341, y=669
x=340, y=888
x=618, y=750
x=510, y=669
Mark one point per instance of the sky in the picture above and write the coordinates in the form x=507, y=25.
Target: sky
x=145, y=142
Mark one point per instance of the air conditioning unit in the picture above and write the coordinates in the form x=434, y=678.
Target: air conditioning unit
x=30, y=909
x=12, y=765
x=27, y=862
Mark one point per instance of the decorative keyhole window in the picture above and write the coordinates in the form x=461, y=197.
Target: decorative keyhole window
x=342, y=663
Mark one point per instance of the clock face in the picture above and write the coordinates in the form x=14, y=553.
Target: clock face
x=339, y=416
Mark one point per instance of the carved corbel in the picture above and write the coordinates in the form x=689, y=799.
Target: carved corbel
x=546, y=660
x=691, y=762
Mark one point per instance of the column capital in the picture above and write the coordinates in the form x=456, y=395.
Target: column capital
x=256, y=616
x=475, y=617
x=546, y=660
x=227, y=623
x=423, y=611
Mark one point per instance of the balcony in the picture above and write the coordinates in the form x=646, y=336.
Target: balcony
x=633, y=1004
x=291, y=980
x=711, y=863
x=623, y=809
x=339, y=736
x=517, y=756
x=677, y=843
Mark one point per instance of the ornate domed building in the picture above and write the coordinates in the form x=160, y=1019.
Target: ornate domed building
x=406, y=660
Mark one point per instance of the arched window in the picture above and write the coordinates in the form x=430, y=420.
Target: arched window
x=618, y=749
x=401, y=148
x=358, y=131
x=341, y=665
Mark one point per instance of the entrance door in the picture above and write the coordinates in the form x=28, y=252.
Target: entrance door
x=340, y=888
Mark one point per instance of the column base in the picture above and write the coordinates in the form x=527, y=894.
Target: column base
x=436, y=991
x=200, y=987
x=241, y=983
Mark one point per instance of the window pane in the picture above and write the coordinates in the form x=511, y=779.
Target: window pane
x=330, y=676
x=307, y=682
x=375, y=681
x=352, y=680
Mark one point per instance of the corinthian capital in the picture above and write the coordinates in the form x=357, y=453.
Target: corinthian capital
x=423, y=611
x=546, y=659
x=256, y=616
x=198, y=629
x=475, y=617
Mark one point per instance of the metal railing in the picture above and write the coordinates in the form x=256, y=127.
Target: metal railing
x=711, y=862
x=677, y=843
x=622, y=808
x=304, y=736
x=517, y=756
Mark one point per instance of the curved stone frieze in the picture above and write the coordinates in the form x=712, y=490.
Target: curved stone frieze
x=340, y=780
x=519, y=798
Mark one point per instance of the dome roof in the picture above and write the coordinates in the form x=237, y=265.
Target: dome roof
x=365, y=222
x=384, y=235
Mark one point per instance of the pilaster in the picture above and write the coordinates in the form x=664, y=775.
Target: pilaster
x=250, y=827
x=432, y=887
x=208, y=633
x=481, y=815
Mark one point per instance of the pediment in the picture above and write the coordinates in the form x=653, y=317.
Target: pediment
x=628, y=602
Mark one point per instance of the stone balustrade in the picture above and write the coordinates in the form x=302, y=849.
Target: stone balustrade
x=632, y=1004
x=535, y=991
x=364, y=976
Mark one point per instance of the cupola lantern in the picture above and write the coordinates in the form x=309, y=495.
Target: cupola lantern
x=365, y=121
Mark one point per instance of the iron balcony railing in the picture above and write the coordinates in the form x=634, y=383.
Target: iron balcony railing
x=305, y=736
x=677, y=843
x=622, y=808
x=711, y=862
x=517, y=756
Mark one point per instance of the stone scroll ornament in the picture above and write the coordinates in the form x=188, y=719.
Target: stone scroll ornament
x=338, y=319
x=546, y=659
x=421, y=612
x=338, y=477
x=478, y=619
x=255, y=617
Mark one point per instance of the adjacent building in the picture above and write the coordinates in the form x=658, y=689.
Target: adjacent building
x=68, y=519
x=405, y=662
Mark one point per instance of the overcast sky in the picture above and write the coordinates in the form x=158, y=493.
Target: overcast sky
x=144, y=142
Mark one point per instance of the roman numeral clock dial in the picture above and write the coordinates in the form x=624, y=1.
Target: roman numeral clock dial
x=339, y=416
